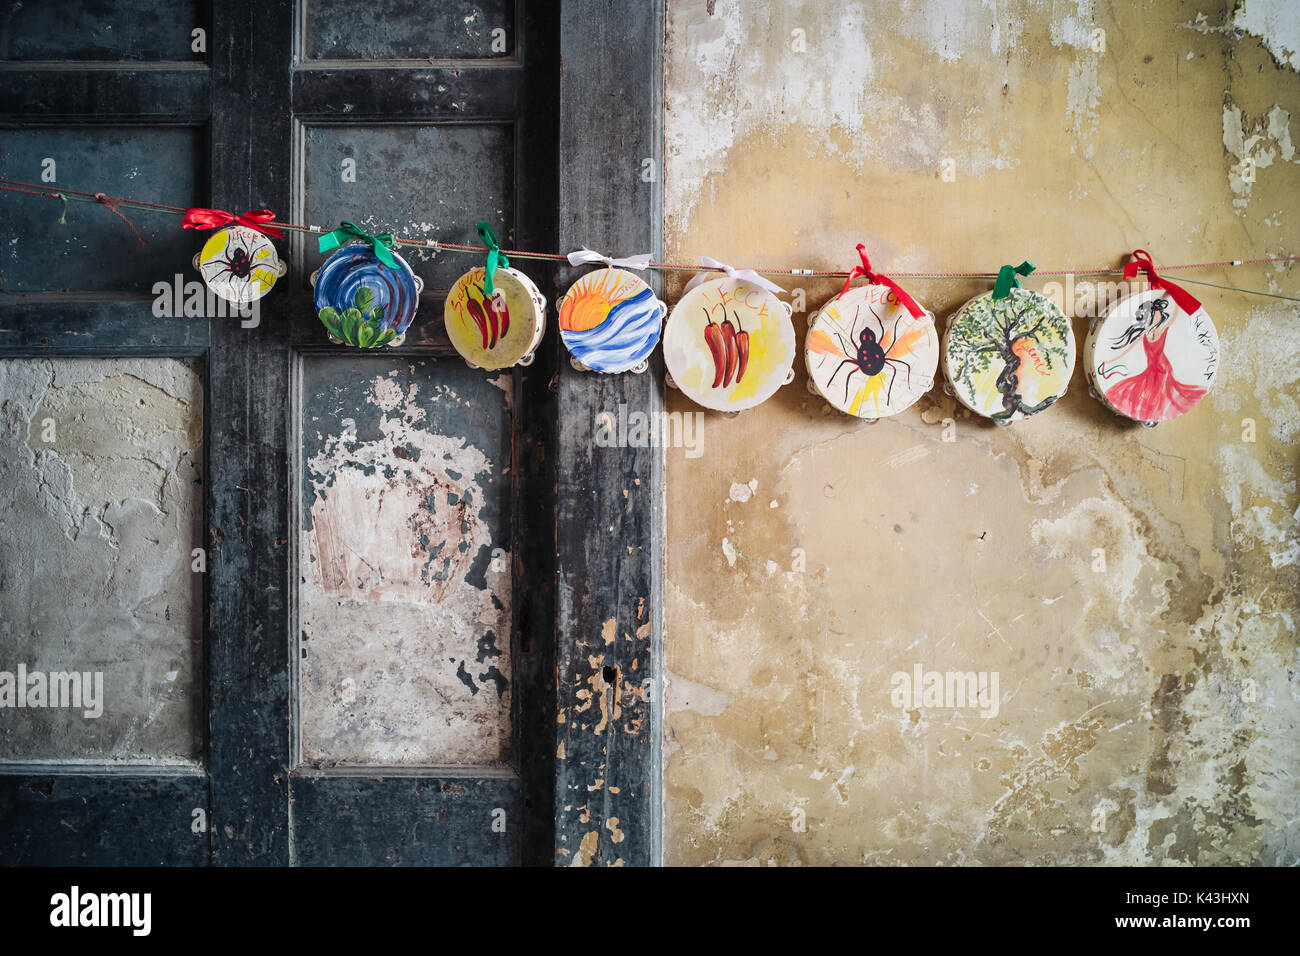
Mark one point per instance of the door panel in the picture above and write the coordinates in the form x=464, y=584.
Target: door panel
x=107, y=30
x=425, y=628
x=444, y=177
x=101, y=501
x=94, y=251
x=404, y=594
x=405, y=821
x=407, y=30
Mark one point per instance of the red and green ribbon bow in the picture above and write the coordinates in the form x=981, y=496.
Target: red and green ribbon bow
x=382, y=243
x=1142, y=263
x=496, y=259
x=874, y=278
x=200, y=218
x=1007, y=278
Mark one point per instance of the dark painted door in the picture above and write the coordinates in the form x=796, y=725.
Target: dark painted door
x=317, y=583
x=422, y=547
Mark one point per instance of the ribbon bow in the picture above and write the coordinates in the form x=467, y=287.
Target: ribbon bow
x=743, y=275
x=587, y=255
x=215, y=218
x=1007, y=278
x=382, y=243
x=496, y=259
x=872, y=278
x=1142, y=263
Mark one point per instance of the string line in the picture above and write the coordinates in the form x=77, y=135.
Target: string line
x=112, y=202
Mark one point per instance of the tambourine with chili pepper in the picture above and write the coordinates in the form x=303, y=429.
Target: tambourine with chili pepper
x=498, y=330
x=729, y=345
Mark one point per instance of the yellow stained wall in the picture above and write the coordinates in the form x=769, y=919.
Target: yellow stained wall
x=1148, y=701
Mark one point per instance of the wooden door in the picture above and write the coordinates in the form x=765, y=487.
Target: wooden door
x=381, y=658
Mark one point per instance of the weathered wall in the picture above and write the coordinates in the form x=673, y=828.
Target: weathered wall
x=1147, y=709
x=404, y=616
x=101, y=505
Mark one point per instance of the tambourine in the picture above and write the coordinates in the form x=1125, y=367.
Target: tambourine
x=239, y=264
x=610, y=321
x=867, y=355
x=1150, y=361
x=497, y=331
x=363, y=302
x=1007, y=359
x=729, y=345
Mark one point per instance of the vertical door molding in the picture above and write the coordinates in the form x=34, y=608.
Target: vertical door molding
x=247, y=431
x=609, y=509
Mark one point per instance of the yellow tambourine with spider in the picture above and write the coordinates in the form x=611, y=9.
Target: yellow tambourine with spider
x=498, y=330
x=239, y=264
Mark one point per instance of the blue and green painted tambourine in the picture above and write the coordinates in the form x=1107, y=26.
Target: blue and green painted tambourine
x=361, y=301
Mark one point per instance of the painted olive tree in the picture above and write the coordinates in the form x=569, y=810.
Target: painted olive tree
x=1022, y=327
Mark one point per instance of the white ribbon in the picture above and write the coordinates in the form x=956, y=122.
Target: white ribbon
x=743, y=275
x=585, y=255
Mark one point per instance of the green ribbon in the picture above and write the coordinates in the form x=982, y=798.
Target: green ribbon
x=1007, y=278
x=63, y=216
x=496, y=259
x=381, y=243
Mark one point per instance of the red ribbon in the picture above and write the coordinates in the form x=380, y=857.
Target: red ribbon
x=1142, y=263
x=215, y=219
x=872, y=277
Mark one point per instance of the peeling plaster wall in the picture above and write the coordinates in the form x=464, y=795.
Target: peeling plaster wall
x=1146, y=709
x=404, y=595
x=101, y=503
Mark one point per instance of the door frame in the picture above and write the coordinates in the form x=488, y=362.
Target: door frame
x=609, y=508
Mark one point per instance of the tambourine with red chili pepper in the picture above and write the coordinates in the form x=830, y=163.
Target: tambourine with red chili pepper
x=729, y=345
x=497, y=330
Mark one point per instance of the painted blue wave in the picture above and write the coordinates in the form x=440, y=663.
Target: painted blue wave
x=628, y=334
x=355, y=266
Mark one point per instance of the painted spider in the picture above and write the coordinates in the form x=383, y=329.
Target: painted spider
x=235, y=261
x=870, y=357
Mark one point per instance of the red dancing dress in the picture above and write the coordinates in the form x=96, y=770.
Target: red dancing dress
x=1154, y=394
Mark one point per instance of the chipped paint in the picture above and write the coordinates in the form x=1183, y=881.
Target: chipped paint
x=405, y=613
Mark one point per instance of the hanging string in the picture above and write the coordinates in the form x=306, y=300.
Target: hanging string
x=36, y=189
x=1233, y=288
x=111, y=203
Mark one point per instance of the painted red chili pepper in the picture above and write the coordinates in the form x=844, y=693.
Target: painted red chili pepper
x=729, y=343
x=498, y=305
x=713, y=339
x=742, y=350
x=480, y=319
